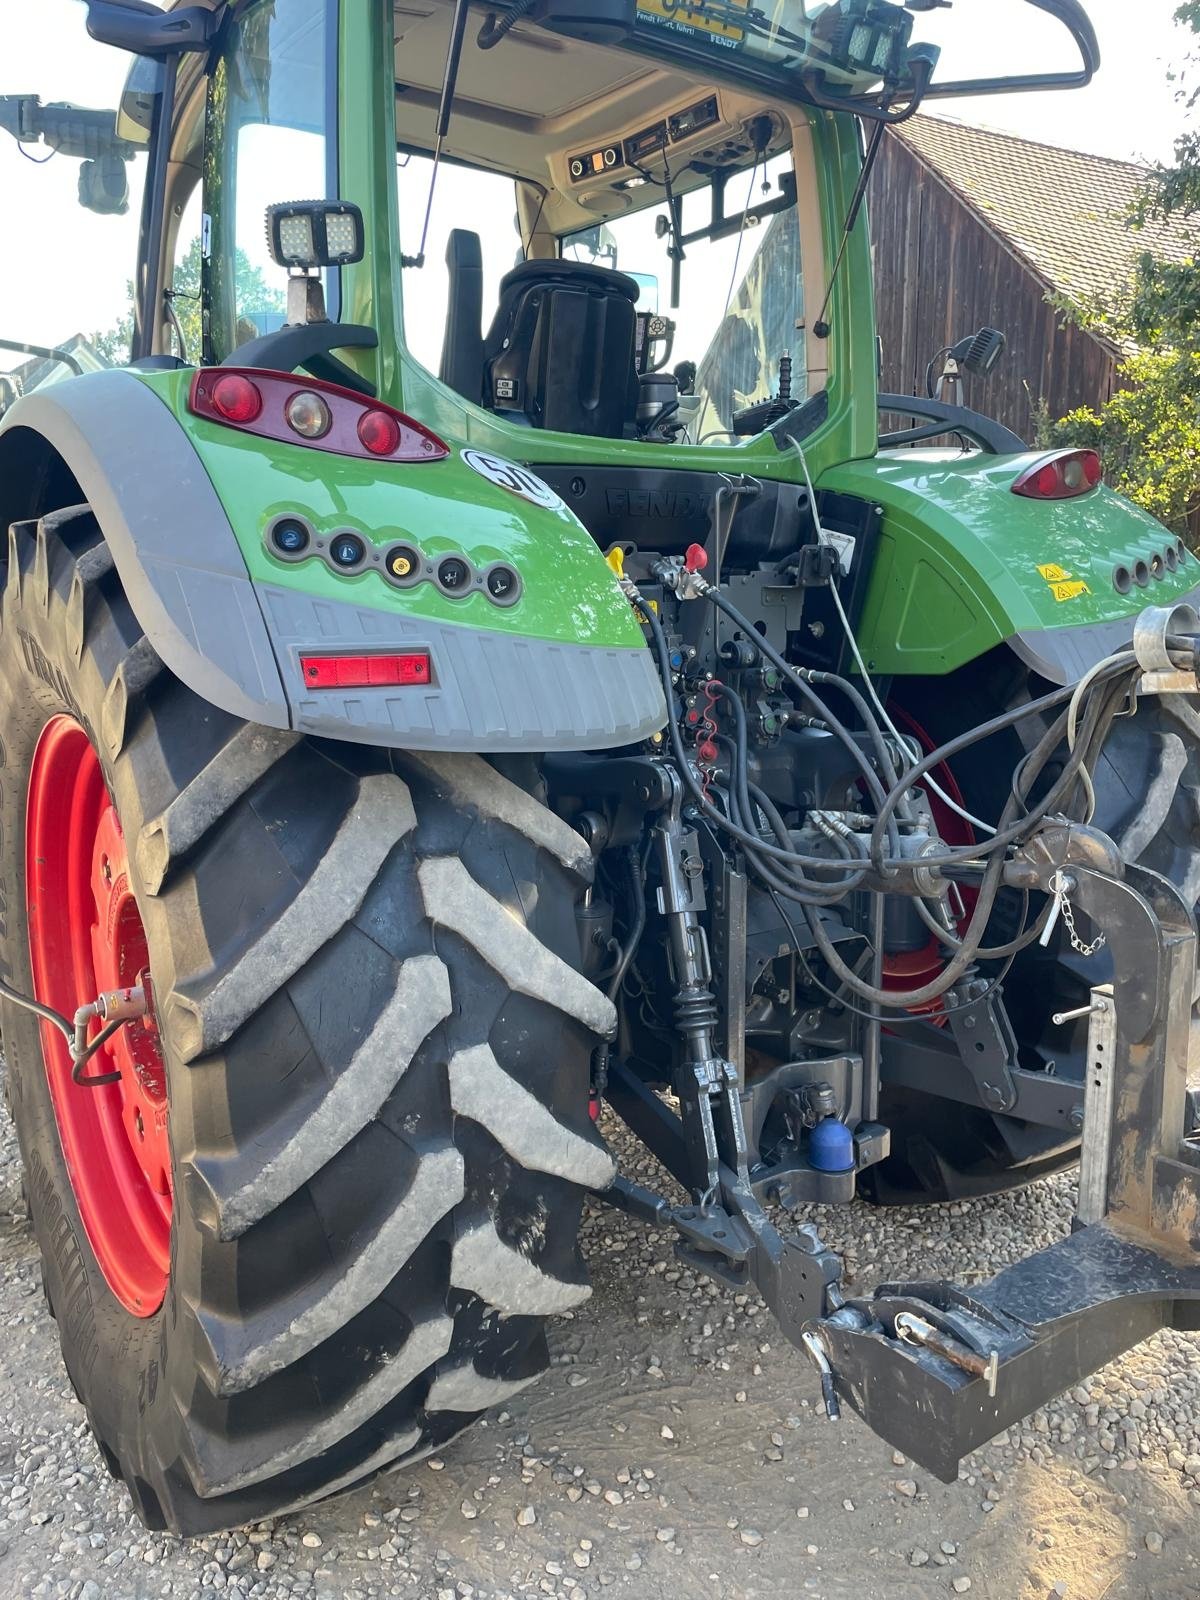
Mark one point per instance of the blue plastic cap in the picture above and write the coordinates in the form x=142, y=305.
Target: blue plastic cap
x=831, y=1146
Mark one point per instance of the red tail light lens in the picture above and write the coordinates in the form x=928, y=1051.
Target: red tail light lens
x=272, y=406
x=1061, y=476
x=379, y=432
x=366, y=672
x=236, y=399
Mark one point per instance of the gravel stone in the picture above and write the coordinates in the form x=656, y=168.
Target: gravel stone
x=608, y=1497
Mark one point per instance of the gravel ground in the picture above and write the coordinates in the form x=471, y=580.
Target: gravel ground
x=672, y=1451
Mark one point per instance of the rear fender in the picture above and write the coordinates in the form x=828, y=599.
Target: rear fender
x=963, y=565
x=188, y=547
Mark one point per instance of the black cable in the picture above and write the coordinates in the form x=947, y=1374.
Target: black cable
x=637, y=876
x=1007, y=832
x=955, y=746
x=101, y=1078
x=494, y=29
x=818, y=706
x=742, y=812
x=701, y=800
x=870, y=1016
x=987, y=952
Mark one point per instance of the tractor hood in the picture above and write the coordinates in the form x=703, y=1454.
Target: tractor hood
x=964, y=564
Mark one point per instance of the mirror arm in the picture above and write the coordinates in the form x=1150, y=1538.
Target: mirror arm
x=1077, y=23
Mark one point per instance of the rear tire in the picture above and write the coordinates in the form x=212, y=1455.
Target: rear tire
x=377, y=1054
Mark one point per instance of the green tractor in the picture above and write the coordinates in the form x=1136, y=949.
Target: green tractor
x=429, y=716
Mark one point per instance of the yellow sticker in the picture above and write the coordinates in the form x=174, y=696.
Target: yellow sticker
x=1062, y=585
x=717, y=18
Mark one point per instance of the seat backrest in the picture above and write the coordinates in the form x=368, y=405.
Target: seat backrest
x=462, y=341
x=560, y=351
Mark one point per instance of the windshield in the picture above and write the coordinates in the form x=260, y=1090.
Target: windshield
x=741, y=298
x=70, y=291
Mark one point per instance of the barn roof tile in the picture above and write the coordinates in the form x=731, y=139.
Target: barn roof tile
x=1065, y=211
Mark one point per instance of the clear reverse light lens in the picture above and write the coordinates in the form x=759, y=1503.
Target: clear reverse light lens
x=341, y=235
x=308, y=414
x=296, y=239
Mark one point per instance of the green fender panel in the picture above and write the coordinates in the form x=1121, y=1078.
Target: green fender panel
x=964, y=564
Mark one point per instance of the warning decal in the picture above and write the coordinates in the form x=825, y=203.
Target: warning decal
x=1061, y=584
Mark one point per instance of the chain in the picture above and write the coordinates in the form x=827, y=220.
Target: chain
x=1068, y=916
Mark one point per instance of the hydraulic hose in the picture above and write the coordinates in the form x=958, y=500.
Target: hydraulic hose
x=742, y=811
x=1096, y=717
x=955, y=746
x=819, y=708
x=700, y=799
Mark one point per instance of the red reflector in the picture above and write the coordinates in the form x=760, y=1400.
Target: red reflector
x=379, y=432
x=236, y=398
x=366, y=672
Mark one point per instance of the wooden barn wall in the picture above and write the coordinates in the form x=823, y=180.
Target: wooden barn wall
x=940, y=274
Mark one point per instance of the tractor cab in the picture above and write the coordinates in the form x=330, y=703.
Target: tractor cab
x=619, y=220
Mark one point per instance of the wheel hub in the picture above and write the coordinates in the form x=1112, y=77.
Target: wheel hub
x=85, y=938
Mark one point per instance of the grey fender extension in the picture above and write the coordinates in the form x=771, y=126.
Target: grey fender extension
x=178, y=559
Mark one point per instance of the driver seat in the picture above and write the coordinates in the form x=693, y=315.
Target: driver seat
x=560, y=350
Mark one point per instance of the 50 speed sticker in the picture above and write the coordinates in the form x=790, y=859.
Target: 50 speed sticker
x=1061, y=584
x=508, y=475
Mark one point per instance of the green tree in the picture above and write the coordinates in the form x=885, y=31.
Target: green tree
x=1148, y=434
x=115, y=343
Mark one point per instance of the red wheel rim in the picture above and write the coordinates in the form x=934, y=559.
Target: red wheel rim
x=86, y=937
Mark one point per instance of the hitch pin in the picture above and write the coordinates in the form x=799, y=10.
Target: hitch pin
x=1059, y=887
x=915, y=1330
x=816, y=1349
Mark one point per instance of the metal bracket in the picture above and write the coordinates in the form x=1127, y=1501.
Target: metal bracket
x=986, y=1043
x=1098, y=1088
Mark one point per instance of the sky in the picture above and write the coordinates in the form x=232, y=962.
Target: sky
x=74, y=278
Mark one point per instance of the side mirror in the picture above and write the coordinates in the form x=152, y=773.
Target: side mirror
x=104, y=186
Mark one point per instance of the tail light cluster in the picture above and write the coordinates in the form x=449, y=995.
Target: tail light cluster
x=1060, y=476
x=324, y=416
